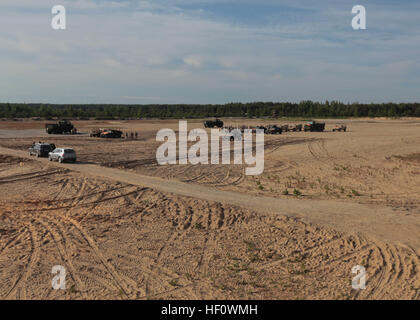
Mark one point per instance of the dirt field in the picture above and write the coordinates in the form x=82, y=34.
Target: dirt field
x=353, y=198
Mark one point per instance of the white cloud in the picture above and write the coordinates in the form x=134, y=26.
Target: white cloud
x=193, y=62
x=138, y=51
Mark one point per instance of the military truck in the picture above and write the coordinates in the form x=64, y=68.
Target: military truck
x=273, y=129
x=285, y=128
x=61, y=127
x=314, y=126
x=106, y=133
x=213, y=124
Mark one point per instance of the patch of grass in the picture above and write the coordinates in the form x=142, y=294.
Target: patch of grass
x=252, y=272
x=189, y=276
x=256, y=284
x=236, y=267
x=298, y=258
x=241, y=283
x=251, y=246
x=199, y=226
x=355, y=193
x=73, y=288
x=174, y=282
x=297, y=193
x=253, y=257
x=285, y=192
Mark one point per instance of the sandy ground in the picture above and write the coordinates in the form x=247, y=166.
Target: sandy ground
x=119, y=239
x=365, y=164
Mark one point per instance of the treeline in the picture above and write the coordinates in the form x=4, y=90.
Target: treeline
x=306, y=109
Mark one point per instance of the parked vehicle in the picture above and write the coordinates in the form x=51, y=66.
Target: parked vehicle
x=61, y=127
x=106, y=133
x=62, y=155
x=261, y=128
x=213, y=124
x=340, y=128
x=295, y=128
x=314, y=126
x=41, y=149
x=285, y=128
x=96, y=133
x=274, y=129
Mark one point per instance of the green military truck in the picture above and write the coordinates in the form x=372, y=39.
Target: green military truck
x=62, y=127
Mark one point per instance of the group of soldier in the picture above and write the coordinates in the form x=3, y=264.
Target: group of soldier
x=132, y=135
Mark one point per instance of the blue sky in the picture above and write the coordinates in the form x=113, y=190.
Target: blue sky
x=209, y=51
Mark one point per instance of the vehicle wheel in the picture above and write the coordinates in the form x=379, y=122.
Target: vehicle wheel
x=60, y=160
x=49, y=158
x=37, y=155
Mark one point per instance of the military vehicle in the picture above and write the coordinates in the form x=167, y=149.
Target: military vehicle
x=213, y=124
x=106, y=133
x=274, y=129
x=314, y=126
x=261, y=128
x=295, y=128
x=61, y=127
x=285, y=128
x=340, y=128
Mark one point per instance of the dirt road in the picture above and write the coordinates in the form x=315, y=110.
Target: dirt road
x=375, y=221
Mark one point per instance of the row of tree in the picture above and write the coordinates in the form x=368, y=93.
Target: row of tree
x=306, y=109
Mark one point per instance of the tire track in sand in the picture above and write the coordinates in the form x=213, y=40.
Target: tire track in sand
x=28, y=270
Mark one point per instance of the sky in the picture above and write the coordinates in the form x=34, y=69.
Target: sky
x=209, y=51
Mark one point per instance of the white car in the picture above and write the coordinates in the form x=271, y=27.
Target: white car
x=62, y=155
